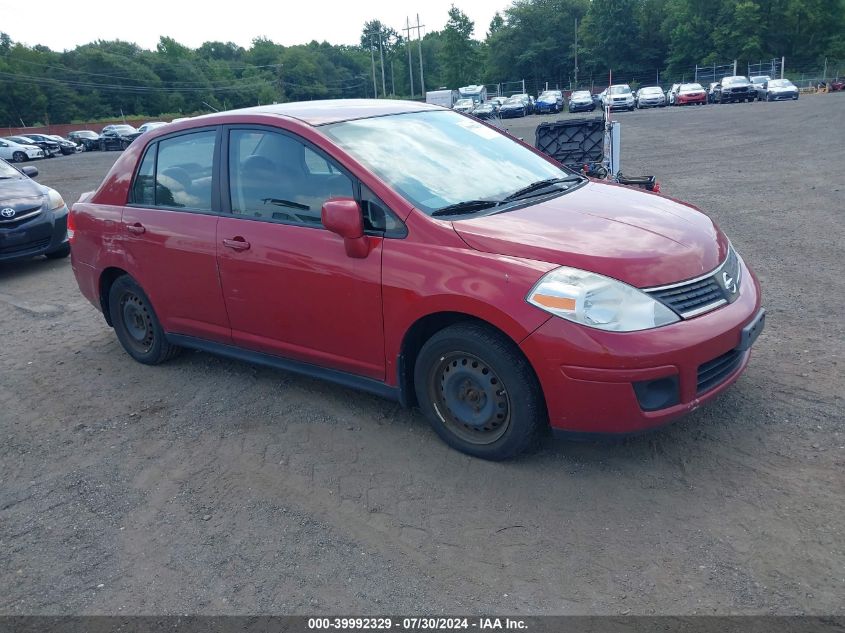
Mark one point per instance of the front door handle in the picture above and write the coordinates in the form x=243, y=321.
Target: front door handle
x=236, y=243
x=136, y=229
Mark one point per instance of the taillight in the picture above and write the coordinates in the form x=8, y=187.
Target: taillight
x=71, y=226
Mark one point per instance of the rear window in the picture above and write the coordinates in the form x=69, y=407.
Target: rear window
x=176, y=173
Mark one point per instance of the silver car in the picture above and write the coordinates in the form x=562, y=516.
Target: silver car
x=651, y=97
x=778, y=90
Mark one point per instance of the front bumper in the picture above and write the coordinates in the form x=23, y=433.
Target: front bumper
x=582, y=107
x=783, y=96
x=589, y=376
x=507, y=114
x=650, y=103
x=682, y=100
x=45, y=233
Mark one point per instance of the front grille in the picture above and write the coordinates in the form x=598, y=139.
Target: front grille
x=696, y=296
x=28, y=246
x=716, y=371
x=20, y=215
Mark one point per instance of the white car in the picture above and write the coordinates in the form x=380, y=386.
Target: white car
x=15, y=152
x=618, y=96
x=151, y=125
x=464, y=105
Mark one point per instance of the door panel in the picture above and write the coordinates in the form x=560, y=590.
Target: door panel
x=295, y=293
x=289, y=287
x=169, y=234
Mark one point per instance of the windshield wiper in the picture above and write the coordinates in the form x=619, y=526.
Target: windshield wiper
x=542, y=184
x=465, y=207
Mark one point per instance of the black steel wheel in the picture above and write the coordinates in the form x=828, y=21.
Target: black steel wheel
x=479, y=392
x=136, y=324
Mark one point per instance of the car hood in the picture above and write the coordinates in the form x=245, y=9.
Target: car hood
x=640, y=238
x=20, y=193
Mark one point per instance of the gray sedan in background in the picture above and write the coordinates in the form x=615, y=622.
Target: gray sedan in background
x=651, y=97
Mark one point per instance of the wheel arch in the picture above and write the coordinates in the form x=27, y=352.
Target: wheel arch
x=107, y=278
x=421, y=331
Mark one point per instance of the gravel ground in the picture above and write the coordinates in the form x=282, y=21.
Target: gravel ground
x=211, y=486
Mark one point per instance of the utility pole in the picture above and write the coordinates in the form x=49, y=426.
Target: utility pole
x=381, y=57
x=373, y=62
x=824, y=74
x=392, y=81
x=407, y=30
x=576, y=53
x=734, y=68
x=419, y=28
x=783, y=63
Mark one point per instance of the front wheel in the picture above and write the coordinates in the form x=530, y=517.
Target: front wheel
x=18, y=157
x=136, y=324
x=123, y=145
x=102, y=146
x=479, y=392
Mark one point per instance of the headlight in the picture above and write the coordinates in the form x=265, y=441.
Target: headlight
x=598, y=301
x=54, y=199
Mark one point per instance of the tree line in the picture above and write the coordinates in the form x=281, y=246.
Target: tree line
x=532, y=40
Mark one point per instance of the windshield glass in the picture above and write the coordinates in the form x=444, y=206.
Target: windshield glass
x=581, y=94
x=781, y=83
x=691, y=87
x=7, y=171
x=514, y=100
x=124, y=128
x=619, y=90
x=438, y=159
x=463, y=102
x=651, y=90
x=734, y=80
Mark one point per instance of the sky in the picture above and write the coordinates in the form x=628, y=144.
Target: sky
x=68, y=24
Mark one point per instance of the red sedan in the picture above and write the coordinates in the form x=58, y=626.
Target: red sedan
x=421, y=255
x=689, y=94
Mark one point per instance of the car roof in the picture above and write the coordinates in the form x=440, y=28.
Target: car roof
x=327, y=111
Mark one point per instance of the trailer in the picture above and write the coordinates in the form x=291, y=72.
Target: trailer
x=442, y=97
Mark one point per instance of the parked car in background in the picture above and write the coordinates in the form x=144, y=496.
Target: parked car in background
x=33, y=218
x=496, y=290
x=691, y=94
x=549, y=101
x=837, y=84
x=779, y=90
x=710, y=91
x=515, y=106
x=672, y=93
x=63, y=146
x=117, y=137
x=498, y=101
x=486, y=110
x=464, y=105
x=651, y=97
x=619, y=97
x=88, y=140
x=733, y=89
x=757, y=84
x=50, y=148
x=150, y=125
x=67, y=146
x=581, y=101
x=17, y=152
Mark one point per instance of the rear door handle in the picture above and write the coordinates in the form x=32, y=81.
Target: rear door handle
x=236, y=243
x=136, y=229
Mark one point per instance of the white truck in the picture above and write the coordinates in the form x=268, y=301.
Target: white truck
x=442, y=97
x=476, y=93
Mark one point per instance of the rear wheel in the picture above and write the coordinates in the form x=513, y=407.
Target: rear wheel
x=19, y=157
x=123, y=144
x=136, y=324
x=478, y=392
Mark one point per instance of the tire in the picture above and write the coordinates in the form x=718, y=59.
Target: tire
x=123, y=145
x=102, y=146
x=136, y=324
x=18, y=157
x=63, y=252
x=475, y=376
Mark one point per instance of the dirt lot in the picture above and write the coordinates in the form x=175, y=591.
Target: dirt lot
x=211, y=486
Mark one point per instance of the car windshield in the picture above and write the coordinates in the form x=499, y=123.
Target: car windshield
x=124, y=128
x=759, y=80
x=464, y=102
x=619, y=90
x=650, y=90
x=514, y=100
x=440, y=159
x=581, y=94
x=85, y=134
x=781, y=83
x=728, y=81
x=7, y=171
x=691, y=88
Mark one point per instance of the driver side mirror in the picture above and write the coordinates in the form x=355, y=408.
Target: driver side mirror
x=343, y=217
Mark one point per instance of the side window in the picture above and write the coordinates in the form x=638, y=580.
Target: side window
x=184, y=171
x=377, y=217
x=273, y=176
x=143, y=189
